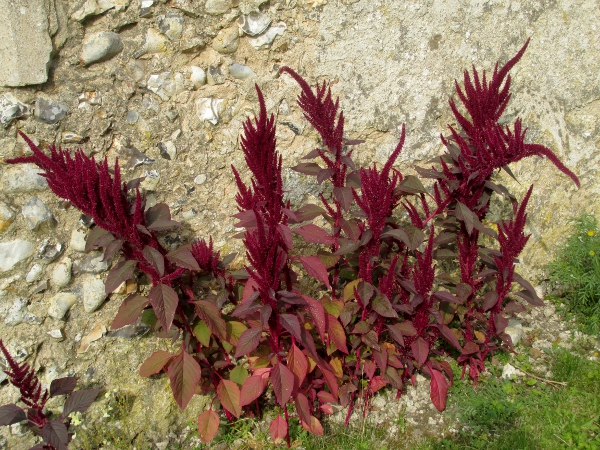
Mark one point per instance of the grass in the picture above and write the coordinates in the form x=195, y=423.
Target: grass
x=576, y=273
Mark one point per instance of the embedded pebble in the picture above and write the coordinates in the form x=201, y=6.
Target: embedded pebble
x=70, y=137
x=155, y=42
x=171, y=25
x=254, y=23
x=16, y=312
x=90, y=263
x=216, y=7
x=37, y=214
x=57, y=334
x=89, y=98
x=165, y=85
x=49, y=111
x=99, y=47
x=167, y=150
x=91, y=8
x=514, y=330
x=240, y=72
x=200, y=179
x=7, y=216
x=94, y=293
x=208, y=109
x=198, y=76
x=13, y=252
x=49, y=250
x=215, y=76
x=11, y=109
x=34, y=273
x=265, y=40
x=78, y=239
x=61, y=274
x=60, y=304
x=227, y=40
x=23, y=178
x=151, y=181
x=132, y=117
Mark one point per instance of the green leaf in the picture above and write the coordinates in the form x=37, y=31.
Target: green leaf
x=209, y=312
x=202, y=333
x=239, y=374
x=184, y=374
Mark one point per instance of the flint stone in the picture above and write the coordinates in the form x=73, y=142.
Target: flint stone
x=16, y=312
x=198, y=76
x=78, y=239
x=34, y=273
x=100, y=47
x=11, y=109
x=171, y=25
x=49, y=111
x=94, y=293
x=215, y=76
x=265, y=40
x=91, y=8
x=60, y=304
x=25, y=44
x=23, y=178
x=90, y=263
x=37, y=214
x=13, y=252
x=61, y=274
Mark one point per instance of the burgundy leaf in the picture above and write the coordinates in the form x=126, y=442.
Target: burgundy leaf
x=315, y=234
x=412, y=185
x=489, y=300
x=248, y=341
x=184, y=374
x=208, y=425
x=62, y=386
x=282, y=380
x=129, y=311
x=97, y=237
x=183, y=257
x=290, y=323
x=438, y=389
x=376, y=383
x=344, y=196
x=315, y=268
x=310, y=168
x=158, y=218
x=164, y=301
x=303, y=408
x=371, y=339
x=121, y=272
x=80, y=401
x=309, y=212
x=286, y=234
x=383, y=307
x=318, y=314
x=298, y=364
x=450, y=336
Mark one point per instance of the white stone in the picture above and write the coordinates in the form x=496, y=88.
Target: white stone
x=12, y=252
x=34, y=273
x=508, y=371
x=16, y=312
x=198, y=76
x=216, y=7
x=240, y=71
x=78, y=239
x=23, y=178
x=60, y=304
x=36, y=213
x=514, y=330
x=265, y=40
x=94, y=293
x=200, y=179
x=61, y=274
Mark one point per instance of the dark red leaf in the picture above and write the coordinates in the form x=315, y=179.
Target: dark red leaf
x=10, y=414
x=344, y=196
x=80, y=401
x=309, y=212
x=323, y=175
x=318, y=314
x=121, y=272
x=210, y=314
x=298, y=363
x=313, y=233
x=377, y=383
x=56, y=434
x=500, y=322
x=252, y=388
x=303, y=408
x=383, y=307
x=286, y=234
x=129, y=311
x=184, y=374
x=155, y=259
x=489, y=300
x=62, y=386
x=290, y=323
x=208, y=425
x=183, y=257
x=229, y=396
x=158, y=218
x=248, y=341
x=450, y=336
x=315, y=268
x=282, y=380
x=420, y=349
x=164, y=301
x=438, y=390
x=412, y=185
x=407, y=328
x=278, y=429
x=444, y=296
x=307, y=168
x=371, y=339
x=464, y=214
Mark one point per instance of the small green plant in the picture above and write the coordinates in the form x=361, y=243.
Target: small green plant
x=576, y=271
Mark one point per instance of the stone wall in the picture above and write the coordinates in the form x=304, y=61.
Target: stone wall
x=165, y=86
